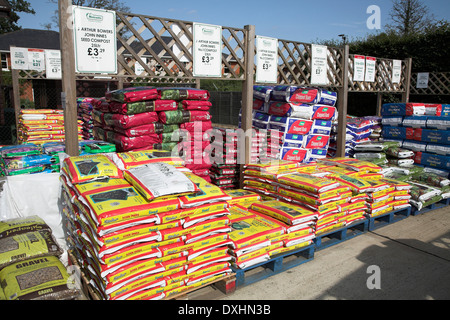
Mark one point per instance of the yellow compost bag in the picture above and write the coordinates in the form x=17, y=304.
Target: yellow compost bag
x=284, y=250
x=133, y=159
x=100, y=185
x=357, y=185
x=85, y=168
x=43, y=278
x=273, y=165
x=285, y=212
x=360, y=165
x=21, y=225
x=253, y=230
x=238, y=212
x=308, y=182
x=208, y=193
x=28, y=245
x=242, y=197
x=123, y=204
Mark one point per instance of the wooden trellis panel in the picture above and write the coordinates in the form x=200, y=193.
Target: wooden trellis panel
x=294, y=65
x=383, y=78
x=163, y=47
x=438, y=84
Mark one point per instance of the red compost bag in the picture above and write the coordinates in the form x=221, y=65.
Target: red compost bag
x=145, y=129
x=196, y=105
x=134, y=120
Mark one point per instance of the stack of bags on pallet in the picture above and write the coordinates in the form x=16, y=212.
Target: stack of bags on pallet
x=360, y=133
x=128, y=118
x=30, y=266
x=28, y=158
x=422, y=128
x=194, y=121
x=266, y=229
x=85, y=109
x=298, y=121
x=41, y=126
x=427, y=188
x=368, y=185
x=150, y=231
x=224, y=171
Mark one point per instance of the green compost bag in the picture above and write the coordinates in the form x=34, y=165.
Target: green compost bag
x=431, y=179
x=43, y=278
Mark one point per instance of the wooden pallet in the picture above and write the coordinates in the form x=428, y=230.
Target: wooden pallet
x=438, y=205
x=226, y=285
x=333, y=237
x=388, y=218
x=275, y=265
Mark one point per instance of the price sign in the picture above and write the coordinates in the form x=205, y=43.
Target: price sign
x=207, y=53
x=36, y=60
x=370, y=69
x=319, y=65
x=266, y=59
x=19, y=58
x=53, y=64
x=422, y=80
x=396, y=71
x=359, y=66
x=95, y=40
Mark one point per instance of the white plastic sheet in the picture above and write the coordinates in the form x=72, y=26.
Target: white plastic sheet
x=33, y=194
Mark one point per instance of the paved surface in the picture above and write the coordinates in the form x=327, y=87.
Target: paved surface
x=413, y=256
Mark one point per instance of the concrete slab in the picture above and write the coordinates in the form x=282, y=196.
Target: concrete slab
x=412, y=256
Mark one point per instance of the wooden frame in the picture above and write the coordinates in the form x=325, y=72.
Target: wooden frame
x=168, y=44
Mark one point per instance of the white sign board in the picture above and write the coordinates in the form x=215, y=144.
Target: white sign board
x=95, y=40
x=370, y=69
x=36, y=60
x=422, y=80
x=396, y=71
x=207, y=53
x=266, y=59
x=319, y=65
x=53, y=69
x=138, y=68
x=19, y=58
x=359, y=68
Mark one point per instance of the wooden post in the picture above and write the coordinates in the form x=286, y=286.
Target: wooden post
x=379, y=103
x=247, y=92
x=68, y=96
x=342, y=105
x=405, y=94
x=16, y=97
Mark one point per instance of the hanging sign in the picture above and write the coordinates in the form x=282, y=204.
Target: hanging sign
x=266, y=59
x=36, y=60
x=370, y=69
x=319, y=65
x=359, y=68
x=396, y=71
x=422, y=80
x=207, y=52
x=138, y=68
x=19, y=58
x=53, y=64
x=95, y=40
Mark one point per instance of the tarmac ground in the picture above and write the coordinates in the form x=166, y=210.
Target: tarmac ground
x=405, y=260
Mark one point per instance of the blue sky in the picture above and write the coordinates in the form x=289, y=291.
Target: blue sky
x=296, y=20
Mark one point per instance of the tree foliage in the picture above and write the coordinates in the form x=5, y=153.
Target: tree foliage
x=114, y=5
x=409, y=17
x=11, y=24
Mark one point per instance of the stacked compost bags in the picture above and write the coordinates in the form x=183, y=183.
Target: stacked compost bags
x=423, y=129
x=30, y=268
x=85, y=109
x=224, y=171
x=297, y=121
x=42, y=125
x=360, y=131
x=149, y=231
